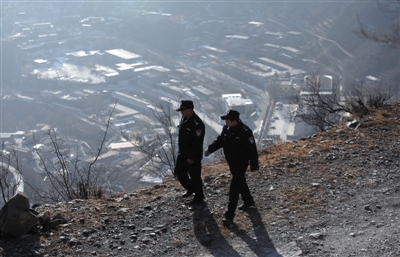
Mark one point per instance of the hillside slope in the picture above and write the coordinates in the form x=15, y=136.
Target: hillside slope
x=336, y=193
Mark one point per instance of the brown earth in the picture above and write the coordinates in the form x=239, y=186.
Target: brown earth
x=335, y=193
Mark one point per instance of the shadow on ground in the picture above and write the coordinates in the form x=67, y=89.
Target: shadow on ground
x=262, y=245
x=208, y=234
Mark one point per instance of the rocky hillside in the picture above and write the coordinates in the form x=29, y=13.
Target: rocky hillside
x=335, y=193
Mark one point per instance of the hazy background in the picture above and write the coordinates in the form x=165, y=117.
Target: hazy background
x=39, y=59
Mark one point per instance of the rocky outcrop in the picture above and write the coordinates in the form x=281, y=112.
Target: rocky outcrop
x=15, y=217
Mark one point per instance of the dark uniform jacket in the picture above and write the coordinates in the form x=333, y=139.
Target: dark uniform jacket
x=239, y=146
x=191, y=137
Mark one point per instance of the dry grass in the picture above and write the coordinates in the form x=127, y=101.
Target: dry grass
x=298, y=194
x=215, y=169
x=177, y=241
x=301, y=199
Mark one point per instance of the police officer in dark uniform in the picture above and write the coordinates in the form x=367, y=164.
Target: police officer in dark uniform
x=240, y=149
x=190, y=142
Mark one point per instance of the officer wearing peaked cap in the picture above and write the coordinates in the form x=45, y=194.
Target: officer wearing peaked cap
x=240, y=150
x=190, y=142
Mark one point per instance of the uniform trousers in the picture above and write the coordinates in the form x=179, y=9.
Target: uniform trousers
x=238, y=187
x=193, y=183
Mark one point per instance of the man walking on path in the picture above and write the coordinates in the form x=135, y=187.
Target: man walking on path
x=190, y=143
x=240, y=149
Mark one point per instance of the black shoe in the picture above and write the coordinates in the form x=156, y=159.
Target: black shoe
x=187, y=194
x=227, y=221
x=245, y=206
x=197, y=201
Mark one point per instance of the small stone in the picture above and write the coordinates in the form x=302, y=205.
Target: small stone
x=64, y=238
x=131, y=226
x=316, y=235
x=160, y=226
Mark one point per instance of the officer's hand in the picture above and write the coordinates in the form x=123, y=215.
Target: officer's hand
x=206, y=153
x=190, y=161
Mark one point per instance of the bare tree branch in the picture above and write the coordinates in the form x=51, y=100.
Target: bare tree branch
x=10, y=173
x=389, y=36
x=159, y=143
x=70, y=178
x=323, y=108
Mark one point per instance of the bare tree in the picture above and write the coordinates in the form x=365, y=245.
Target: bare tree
x=317, y=107
x=323, y=108
x=159, y=142
x=10, y=174
x=390, y=35
x=68, y=176
x=364, y=95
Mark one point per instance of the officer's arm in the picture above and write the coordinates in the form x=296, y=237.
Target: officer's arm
x=251, y=148
x=217, y=144
x=197, y=143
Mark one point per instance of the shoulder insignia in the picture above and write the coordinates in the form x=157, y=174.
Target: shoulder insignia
x=198, y=132
x=195, y=121
x=251, y=140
